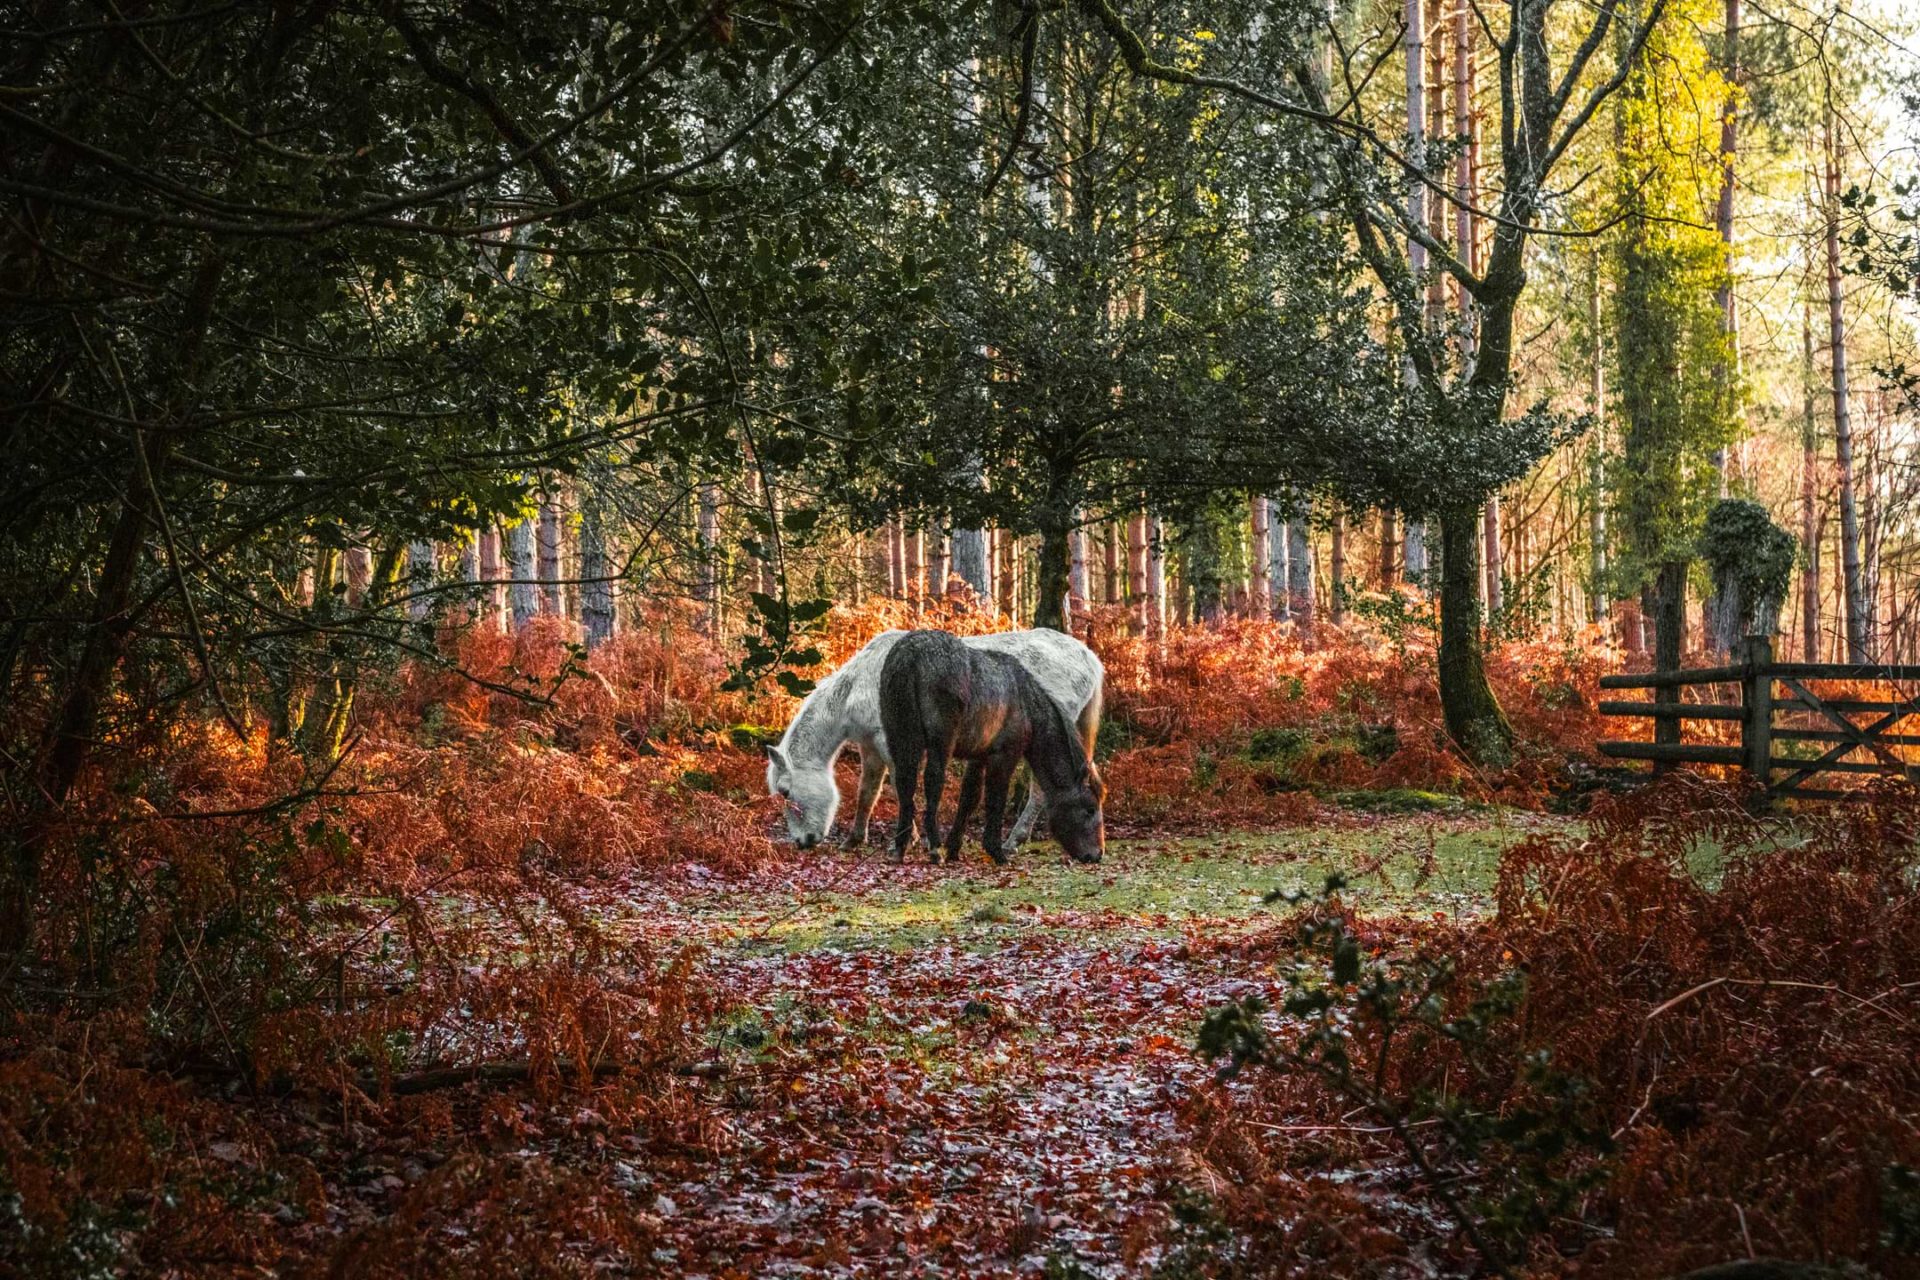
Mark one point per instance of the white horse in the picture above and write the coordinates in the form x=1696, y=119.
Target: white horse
x=845, y=707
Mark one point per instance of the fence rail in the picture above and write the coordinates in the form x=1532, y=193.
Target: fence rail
x=1756, y=676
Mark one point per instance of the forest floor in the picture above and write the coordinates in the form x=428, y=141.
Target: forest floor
x=968, y=1070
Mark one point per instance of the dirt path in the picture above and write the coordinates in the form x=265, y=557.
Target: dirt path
x=948, y=1072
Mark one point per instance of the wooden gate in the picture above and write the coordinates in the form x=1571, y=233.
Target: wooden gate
x=1843, y=725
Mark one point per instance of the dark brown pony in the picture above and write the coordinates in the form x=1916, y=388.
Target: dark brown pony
x=942, y=700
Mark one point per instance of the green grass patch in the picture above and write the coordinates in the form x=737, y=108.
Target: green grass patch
x=1407, y=863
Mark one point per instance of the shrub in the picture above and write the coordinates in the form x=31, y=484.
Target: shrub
x=1643, y=1062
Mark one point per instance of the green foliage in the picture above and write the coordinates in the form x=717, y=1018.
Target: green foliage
x=1750, y=556
x=1676, y=396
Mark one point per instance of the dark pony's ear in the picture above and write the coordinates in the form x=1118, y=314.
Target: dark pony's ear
x=1096, y=783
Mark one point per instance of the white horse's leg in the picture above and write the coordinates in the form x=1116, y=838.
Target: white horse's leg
x=1030, y=815
x=873, y=773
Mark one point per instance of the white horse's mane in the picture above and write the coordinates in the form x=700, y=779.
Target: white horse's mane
x=818, y=723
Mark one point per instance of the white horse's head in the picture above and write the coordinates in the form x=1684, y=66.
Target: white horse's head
x=811, y=796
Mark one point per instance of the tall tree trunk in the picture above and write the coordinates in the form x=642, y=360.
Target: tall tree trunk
x=1054, y=578
x=1729, y=138
x=770, y=557
x=1279, y=605
x=1666, y=600
x=598, y=615
x=1110, y=562
x=467, y=571
x=939, y=561
x=1597, y=606
x=420, y=575
x=1300, y=570
x=359, y=566
x=523, y=601
x=323, y=730
x=896, y=561
x=1495, y=559
x=971, y=561
x=548, y=538
x=1137, y=567
x=488, y=567
x=1809, y=497
x=1337, y=569
x=1156, y=584
x=69, y=738
x=1076, y=571
x=1413, y=37
x=1473, y=715
x=707, y=574
x=1007, y=556
x=1389, y=550
x=1413, y=553
x=1859, y=622
x=1259, y=559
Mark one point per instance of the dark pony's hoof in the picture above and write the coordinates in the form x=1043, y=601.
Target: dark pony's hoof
x=999, y=857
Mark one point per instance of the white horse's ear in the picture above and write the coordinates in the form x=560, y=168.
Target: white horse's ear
x=779, y=759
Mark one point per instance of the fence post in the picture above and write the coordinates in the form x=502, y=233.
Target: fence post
x=1756, y=698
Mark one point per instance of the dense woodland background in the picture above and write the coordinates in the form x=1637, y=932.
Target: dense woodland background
x=444, y=440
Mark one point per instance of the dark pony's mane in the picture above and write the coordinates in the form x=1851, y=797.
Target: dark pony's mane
x=1057, y=740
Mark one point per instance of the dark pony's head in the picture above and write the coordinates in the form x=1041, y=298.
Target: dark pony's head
x=1075, y=816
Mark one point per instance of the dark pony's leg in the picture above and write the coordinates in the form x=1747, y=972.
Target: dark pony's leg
x=906, y=774
x=969, y=798
x=999, y=770
x=938, y=752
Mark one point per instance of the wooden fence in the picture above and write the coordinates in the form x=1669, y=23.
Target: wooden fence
x=1756, y=675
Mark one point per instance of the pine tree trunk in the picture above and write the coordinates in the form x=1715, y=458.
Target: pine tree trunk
x=1666, y=601
x=1859, y=622
x=1077, y=594
x=1006, y=557
x=1496, y=585
x=1137, y=567
x=939, y=561
x=1156, y=584
x=1729, y=137
x=896, y=561
x=707, y=575
x=549, y=572
x=1809, y=494
x=1413, y=552
x=598, y=616
x=1259, y=559
x=523, y=601
x=1110, y=563
x=420, y=575
x=1389, y=551
x=487, y=567
x=1300, y=571
x=1473, y=715
x=1597, y=605
x=359, y=565
x=971, y=562
x=1337, y=569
